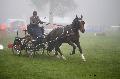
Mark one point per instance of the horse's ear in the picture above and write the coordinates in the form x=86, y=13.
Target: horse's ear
x=76, y=16
x=81, y=16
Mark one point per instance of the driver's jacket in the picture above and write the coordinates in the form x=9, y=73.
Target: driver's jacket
x=33, y=29
x=35, y=20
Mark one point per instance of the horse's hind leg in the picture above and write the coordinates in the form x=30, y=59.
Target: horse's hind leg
x=74, y=47
x=80, y=49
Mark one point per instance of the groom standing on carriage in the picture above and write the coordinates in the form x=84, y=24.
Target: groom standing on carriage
x=33, y=29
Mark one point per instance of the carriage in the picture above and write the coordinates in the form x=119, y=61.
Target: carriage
x=32, y=42
x=35, y=41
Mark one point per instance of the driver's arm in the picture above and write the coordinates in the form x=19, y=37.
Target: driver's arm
x=39, y=21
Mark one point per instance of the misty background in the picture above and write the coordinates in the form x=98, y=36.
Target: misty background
x=95, y=12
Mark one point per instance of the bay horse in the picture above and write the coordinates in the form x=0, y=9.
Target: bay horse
x=67, y=34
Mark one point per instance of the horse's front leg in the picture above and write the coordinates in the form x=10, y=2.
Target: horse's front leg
x=56, y=53
x=74, y=47
x=57, y=49
x=80, y=49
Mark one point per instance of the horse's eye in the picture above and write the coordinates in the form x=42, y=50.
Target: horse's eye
x=83, y=22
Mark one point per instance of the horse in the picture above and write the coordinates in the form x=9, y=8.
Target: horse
x=66, y=34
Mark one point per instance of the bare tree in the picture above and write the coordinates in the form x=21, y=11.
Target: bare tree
x=57, y=7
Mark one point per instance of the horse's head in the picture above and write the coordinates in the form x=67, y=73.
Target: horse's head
x=79, y=23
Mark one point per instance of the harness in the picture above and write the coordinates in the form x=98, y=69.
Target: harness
x=62, y=35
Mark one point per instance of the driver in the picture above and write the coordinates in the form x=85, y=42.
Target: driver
x=34, y=28
x=35, y=20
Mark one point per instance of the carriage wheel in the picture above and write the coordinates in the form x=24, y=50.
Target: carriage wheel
x=16, y=49
x=30, y=49
x=40, y=48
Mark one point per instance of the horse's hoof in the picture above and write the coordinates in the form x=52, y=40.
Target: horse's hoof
x=72, y=53
x=63, y=57
x=83, y=57
x=84, y=60
x=58, y=56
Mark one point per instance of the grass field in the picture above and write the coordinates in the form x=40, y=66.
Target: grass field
x=102, y=54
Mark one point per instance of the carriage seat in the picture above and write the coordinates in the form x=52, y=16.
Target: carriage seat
x=35, y=31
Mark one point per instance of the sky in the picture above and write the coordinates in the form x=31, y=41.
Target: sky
x=95, y=12
x=100, y=11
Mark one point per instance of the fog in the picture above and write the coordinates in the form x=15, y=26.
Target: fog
x=104, y=12
x=95, y=12
x=102, y=17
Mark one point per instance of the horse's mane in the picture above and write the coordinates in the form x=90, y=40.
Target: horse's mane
x=64, y=30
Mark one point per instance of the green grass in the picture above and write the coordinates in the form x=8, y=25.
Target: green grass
x=102, y=54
